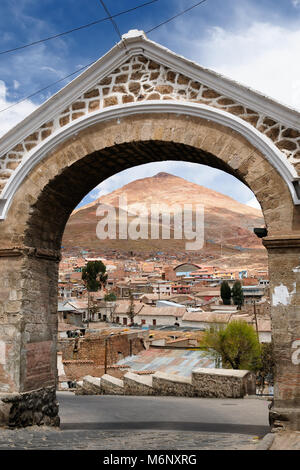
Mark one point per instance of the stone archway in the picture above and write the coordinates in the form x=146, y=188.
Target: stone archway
x=43, y=189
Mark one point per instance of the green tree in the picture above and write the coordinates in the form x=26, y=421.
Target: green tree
x=237, y=294
x=94, y=277
x=225, y=293
x=237, y=345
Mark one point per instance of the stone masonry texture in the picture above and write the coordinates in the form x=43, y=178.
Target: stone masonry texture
x=39, y=407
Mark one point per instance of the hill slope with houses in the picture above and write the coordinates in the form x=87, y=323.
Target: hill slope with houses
x=228, y=224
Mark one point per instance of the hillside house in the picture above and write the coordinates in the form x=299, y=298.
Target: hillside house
x=163, y=316
x=68, y=313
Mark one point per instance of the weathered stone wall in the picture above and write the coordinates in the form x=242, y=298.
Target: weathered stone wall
x=221, y=383
x=172, y=385
x=28, y=318
x=284, y=271
x=38, y=407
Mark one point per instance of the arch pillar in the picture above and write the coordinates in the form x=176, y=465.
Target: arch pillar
x=284, y=272
x=28, y=337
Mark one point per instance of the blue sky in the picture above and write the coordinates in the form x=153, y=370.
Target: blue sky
x=253, y=41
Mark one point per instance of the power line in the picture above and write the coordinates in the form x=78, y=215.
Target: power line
x=176, y=16
x=91, y=63
x=109, y=17
x=46, y=87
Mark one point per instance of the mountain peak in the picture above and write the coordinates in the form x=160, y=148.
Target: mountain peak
x=162, y=174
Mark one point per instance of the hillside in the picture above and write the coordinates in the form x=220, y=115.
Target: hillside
x=226, y=221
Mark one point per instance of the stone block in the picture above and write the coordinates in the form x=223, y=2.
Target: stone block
x=172, y=385
x=135, y=384
x=91, y=385
x=111, y=385
x=223, y=383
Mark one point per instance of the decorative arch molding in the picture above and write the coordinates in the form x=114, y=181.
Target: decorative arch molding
x=275, y=157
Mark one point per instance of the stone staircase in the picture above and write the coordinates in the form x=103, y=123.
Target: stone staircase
x=212, y=383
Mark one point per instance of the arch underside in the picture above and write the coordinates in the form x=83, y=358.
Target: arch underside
x=143, y=111
x=67, y=189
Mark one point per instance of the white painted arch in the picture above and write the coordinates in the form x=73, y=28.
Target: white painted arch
x=265, y=145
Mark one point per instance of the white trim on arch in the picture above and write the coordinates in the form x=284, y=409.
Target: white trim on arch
x=276, y=158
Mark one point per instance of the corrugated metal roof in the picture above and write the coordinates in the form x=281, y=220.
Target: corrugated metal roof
x=179, y=362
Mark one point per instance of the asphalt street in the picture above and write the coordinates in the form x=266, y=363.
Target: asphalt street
x=107, y=412
x=102, y=423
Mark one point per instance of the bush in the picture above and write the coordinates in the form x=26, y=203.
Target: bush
x=237, y=345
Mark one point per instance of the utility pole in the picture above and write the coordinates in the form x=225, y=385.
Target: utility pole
x=88, y=312
x=254, y=308
x=105, y=355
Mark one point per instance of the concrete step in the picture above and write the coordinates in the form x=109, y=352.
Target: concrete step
x=135, y=384
x=79, y=388
x=88, y=386
x=91, y=385
x=111, y=385
x=172, y=385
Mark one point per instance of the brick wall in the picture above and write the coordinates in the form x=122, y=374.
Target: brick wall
x=76, y=370
x=92, y=348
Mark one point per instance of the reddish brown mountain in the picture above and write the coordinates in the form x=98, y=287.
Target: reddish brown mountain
x=227, y=222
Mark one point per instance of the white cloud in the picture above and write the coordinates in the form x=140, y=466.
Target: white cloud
x=261, y=55
x=296, y=3
x=11, y=117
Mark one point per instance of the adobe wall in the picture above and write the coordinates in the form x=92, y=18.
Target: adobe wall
x=92, y=347
x=76, y=370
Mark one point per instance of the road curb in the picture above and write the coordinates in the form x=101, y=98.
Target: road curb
x=266, y=442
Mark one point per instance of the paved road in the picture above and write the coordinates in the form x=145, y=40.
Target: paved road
x=108, y=422
x=107, y=412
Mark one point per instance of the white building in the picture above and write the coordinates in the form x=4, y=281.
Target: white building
x=164, y=316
